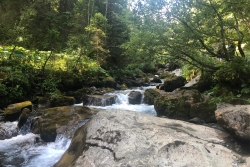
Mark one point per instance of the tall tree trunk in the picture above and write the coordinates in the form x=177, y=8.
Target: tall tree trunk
x=240, y=37
x=45, y=63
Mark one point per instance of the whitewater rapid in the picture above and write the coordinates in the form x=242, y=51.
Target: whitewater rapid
x=27, y=149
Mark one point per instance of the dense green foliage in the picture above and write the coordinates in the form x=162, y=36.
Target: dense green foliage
x=48, y=46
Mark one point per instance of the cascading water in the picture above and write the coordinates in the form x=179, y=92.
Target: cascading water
x=122, y=102
x=24, y=149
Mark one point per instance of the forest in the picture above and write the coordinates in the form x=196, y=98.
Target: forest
x=48, y=47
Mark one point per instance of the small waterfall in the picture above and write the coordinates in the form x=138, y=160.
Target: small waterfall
x=24, y=151
x=21, y=148
x=122, y=102
x=25, y=129
x=101, y=100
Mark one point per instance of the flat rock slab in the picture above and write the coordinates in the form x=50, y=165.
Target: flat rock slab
x=129, y=139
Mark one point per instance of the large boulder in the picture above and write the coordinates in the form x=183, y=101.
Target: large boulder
x=156, y=79
x=177, y=104
x=235, y=119
x=99, y=100
x=184, y=105
x=150, y=95
x=60, y=120
x=125, y=138
x=135, y=97
x=135, y=82
x=13, y=111
x=173, y=83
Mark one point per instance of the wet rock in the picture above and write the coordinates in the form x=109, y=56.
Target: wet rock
x=235, y=119
x=83, y=91
x=150, y=95
x=123, y=138
x=62, y=101
x=24, y=117
x=111, y=84
x=60, y=120
x=135, y=82
x=13, y=111
x=156, y=79
x=99, y=100
x=135, y=97
x=171, y=84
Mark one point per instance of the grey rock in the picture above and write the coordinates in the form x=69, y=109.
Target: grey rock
x=125, y=138
x=63, y=120
x=235, y=119
x=100, y=100
x=135, y=97
x=174, y=83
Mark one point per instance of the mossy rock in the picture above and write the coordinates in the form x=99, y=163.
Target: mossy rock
x=80, y=92
x=60, y=120
x=174, y=108
x=13, y=111
x=150, y=95
x=171, y=84
x=177, y=104
x=204, y=111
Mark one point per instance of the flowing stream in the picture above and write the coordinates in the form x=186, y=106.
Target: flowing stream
x=26, y=149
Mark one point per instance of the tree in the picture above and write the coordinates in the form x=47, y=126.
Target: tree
x=97, y=27
x=197, y=31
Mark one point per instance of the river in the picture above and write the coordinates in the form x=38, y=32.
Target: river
x=26, y=149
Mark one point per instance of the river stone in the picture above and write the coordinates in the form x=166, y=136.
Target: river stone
x=135, y=97
x=171, y=84
x=150, y=95
x=99, y=100
x=60, y=120
x=177, y=104
x=13, y=111
x=114, y=138
x=235, y=119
